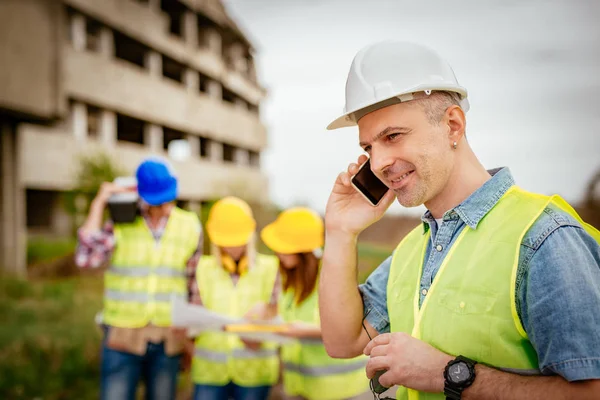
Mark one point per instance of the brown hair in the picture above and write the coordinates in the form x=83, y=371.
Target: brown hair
x=303, y=278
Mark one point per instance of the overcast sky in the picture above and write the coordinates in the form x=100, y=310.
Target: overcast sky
x=532, y=69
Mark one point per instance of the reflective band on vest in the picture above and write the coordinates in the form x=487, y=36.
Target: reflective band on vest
x=219, y=357
x=146, y=271
x=145, y=276
x=308, y=370
x=325, y=370
x=470, y=308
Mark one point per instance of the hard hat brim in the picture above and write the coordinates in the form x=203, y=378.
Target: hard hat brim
x=346, y=119
x=271, y=238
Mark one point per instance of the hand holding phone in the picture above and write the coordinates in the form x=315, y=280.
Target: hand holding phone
x=347, y=210
x=367, y=184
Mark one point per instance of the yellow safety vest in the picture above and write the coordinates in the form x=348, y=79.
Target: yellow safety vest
x=220, y=357
x=144, y=275
x=308, y=371
x=470, y=309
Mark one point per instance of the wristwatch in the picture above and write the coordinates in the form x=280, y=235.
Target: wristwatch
x=459, y=374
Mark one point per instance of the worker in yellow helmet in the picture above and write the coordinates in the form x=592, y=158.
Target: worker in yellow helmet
x=308, y=371
x=235, y=281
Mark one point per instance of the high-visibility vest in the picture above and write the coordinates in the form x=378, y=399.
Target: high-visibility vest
x=470, y=309
x=220, y=357
x=308, y=370
x=145, y=276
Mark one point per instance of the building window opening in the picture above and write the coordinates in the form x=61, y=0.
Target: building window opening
x=169, y=135
x=130, y=129
x=253, y=108
x=175, y=10
x=130, y=50
x=228, y=152
x=92, y=35
x=172, y=69
x=93, y=121
x=254, y=158
x=228, y=96
x=204, y=147
x=204, y=82
x=40, y=205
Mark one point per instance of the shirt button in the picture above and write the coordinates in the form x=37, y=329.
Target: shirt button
x=424, y=292
x=439, y=247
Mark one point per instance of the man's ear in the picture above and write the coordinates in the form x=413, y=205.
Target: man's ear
x=456, y=122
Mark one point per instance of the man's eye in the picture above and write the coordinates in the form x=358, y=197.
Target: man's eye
x=367, y=149
x=393, y=136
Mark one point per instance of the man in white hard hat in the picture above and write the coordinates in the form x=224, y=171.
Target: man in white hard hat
x=496, y=294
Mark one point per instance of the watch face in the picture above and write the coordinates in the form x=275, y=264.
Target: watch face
x=459, y=372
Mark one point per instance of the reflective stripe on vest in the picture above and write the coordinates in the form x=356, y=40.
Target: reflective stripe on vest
x=144, y=272
x=325, y=370
x=142, y=297
x=220, y=357
x=470, y=308
x=246, y=354
x=309, y=372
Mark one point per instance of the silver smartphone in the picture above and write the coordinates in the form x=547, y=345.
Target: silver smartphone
x=367, y=184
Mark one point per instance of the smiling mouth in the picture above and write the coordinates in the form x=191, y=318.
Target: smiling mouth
x=397, y=181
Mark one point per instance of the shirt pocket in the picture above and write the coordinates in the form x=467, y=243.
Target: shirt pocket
x=473, y=303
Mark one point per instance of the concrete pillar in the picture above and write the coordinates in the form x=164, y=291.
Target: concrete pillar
x=79, y=122
x=108, y=128
x=214, y=42
x=189, y=28
x=241, y=156
x=215, y=90
x=194, y=142
x=191, y=80
x=107, y=43
x=215, y=151
x=153, y=63
x=78, y=34
x=12, y=205
x=194, y=206
x=153, y=137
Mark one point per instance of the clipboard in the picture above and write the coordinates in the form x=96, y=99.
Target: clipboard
x=255, y=328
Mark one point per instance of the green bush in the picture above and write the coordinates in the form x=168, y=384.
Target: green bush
x=45, y=249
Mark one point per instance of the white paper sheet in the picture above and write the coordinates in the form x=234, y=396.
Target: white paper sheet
x=199, y=319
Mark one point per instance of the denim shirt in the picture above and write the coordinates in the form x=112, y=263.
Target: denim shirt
x=557, y=287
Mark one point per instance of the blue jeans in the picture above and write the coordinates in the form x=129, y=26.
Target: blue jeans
x=122, y=371
x=230, y=391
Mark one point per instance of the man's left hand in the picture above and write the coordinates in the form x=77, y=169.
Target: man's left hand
x=409, y=362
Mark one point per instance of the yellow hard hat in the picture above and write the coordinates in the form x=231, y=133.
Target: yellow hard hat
x=230, y=222
x=296, y=230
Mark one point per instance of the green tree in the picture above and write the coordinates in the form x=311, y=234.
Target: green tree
x=93, y=169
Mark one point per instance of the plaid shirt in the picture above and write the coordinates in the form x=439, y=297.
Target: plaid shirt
x=94, y=249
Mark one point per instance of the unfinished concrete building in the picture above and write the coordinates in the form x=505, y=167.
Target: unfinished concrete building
x=129, y=77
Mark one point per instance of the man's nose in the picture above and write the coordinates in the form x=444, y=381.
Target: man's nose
x=381, y=159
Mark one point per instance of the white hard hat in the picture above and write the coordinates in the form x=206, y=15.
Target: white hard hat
x=389, y=72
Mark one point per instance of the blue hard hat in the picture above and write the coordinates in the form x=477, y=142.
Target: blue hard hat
x=156, y=183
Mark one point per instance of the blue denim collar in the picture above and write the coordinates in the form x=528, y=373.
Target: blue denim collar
x=478, y=204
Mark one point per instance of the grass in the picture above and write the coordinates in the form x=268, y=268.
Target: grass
x=49, y=345
x=45, y=249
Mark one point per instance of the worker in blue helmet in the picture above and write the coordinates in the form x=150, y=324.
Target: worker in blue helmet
x=151, y=261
